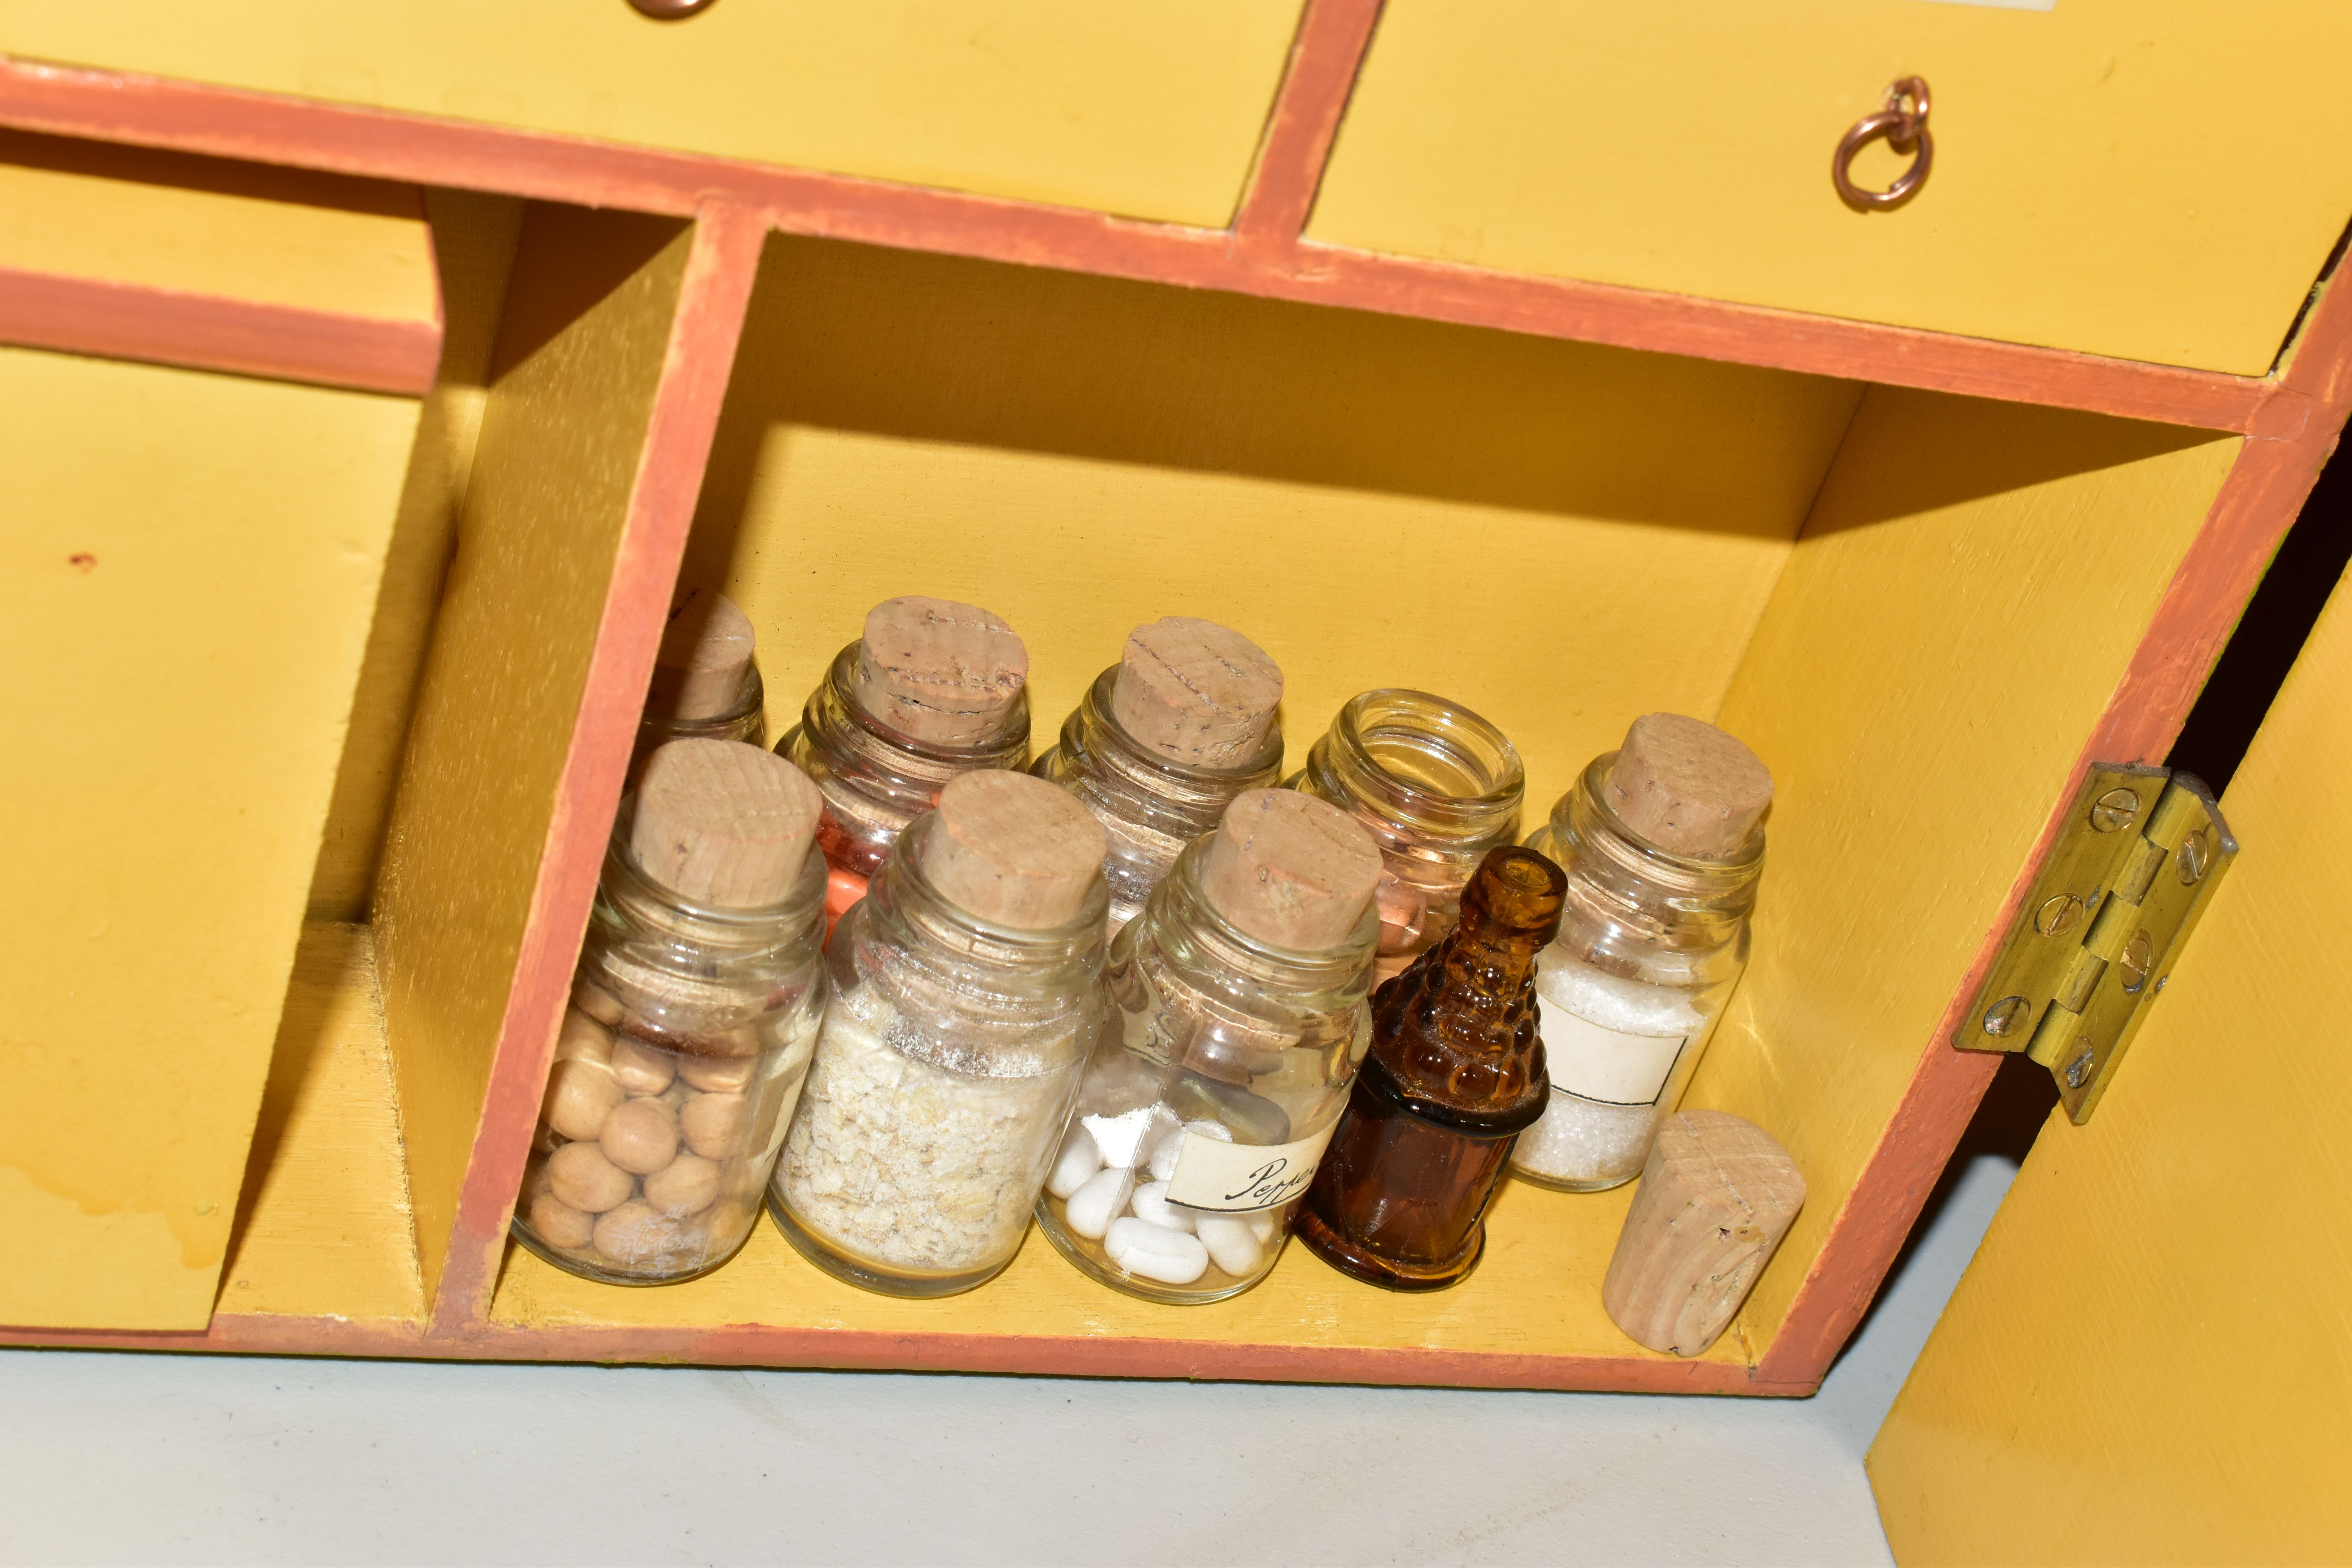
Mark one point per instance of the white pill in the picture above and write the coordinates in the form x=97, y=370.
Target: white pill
x=1152, y=1206
x=1169, y=1257
x=1232, y=1243
x=1089, y=1209
x=1263, y=1224
x=1124, y=1138
x=1076, y=1164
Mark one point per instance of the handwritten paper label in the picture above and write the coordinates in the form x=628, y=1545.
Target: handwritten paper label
x=1237, y=1178
x=1605, y=1065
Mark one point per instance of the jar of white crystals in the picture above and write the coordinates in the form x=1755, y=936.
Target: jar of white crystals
x=1663, y=842
x=1241, y=991
x=968, y=996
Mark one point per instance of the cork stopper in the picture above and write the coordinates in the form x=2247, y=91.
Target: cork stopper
x=724, y=824
x=938, y=671
x=1013, y=850
x=705, y=651
x=1290, y=870
x=1688, y=787
x=1196, y=691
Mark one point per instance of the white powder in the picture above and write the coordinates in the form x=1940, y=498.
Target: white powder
x=1585, y=1141
x=904, y=1164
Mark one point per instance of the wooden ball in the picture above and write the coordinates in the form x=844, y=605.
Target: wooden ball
x=716, y=1075
x=687, y=1184
x=580, y=1176
x=597, y=1003
x=641, y=1136
x=582, y=1038
x=642, y=1068
x=557, y=1223
x=579, y=1096
x=714, y=1125
x=636, y=1233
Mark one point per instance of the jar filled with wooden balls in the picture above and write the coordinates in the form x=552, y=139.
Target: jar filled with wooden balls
x=1436, y=787
x=1663, y=841
x=933, y=690
x=1241, y=991
x=1161, y=744
x=693, y=1018
x=967, y=998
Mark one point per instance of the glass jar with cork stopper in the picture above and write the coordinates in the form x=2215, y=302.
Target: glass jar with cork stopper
x=1435, y=785
x=933, y=690
x=694, y=1015
x=1663, y=841
x=1241, y=991
x=967, y=997
x=1162, y=743
x=705, y=681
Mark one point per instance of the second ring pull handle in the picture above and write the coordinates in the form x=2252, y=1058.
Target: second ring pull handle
x=1904, y=123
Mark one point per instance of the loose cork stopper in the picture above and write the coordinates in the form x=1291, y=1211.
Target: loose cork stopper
x=1290, y=870
x=1717, y=1197
x=1196, y=691
x=724, y=824
x=1688, y=787
x=938, y=671
x=705, y=651
x=1013, y=850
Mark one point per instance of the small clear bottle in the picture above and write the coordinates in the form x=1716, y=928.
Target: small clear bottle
x=1204, y=1115
x=1437, y=787
x=1650, y=943
x=678, y=1067
x=877, y=774
x=947, y=1068
x=1150, y=804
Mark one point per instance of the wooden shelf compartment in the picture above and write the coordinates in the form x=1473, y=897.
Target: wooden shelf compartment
x=1927, y=612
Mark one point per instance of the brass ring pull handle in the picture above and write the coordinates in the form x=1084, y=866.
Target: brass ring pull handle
x=1904, y=127
x=670, y=10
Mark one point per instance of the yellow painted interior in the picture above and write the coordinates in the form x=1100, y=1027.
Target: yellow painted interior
x=324, y=1226
x=474, y=244
x=580, y=353
x=185, y=572
x=246, y=232
x=1514, y=522
x=1149, y=108
x=1968, y=589
x=2146, y=1361
x=2153, y=179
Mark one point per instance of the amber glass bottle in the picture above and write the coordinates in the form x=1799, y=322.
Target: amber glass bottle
x=1456, y=1073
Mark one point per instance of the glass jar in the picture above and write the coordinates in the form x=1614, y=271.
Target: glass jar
x=875, y=779
x=1205, y=1109
x=946, y=1071
x=1151, y=806
x=1650, y=946
x=677, y=1070
x=1436, y=785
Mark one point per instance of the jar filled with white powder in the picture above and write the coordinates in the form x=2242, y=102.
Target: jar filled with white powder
x=1162, y=743
x=1663, y=842
x=1242, y=993
x=968, y=996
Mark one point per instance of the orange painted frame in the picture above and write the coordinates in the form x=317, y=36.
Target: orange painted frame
x=2291, y=420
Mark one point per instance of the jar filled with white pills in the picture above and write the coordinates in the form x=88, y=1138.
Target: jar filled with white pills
x=693, y=1017
x=968, y=996
x=1663, y=841
x=1242, y=993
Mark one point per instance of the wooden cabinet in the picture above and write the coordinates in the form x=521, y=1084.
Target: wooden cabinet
x=1151, y=109
x=1930, y=579
x=191, y=561
x=2148, y=179
x=2143, y=1362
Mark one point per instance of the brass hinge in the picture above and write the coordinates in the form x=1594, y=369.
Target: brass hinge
x=2097, y=939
